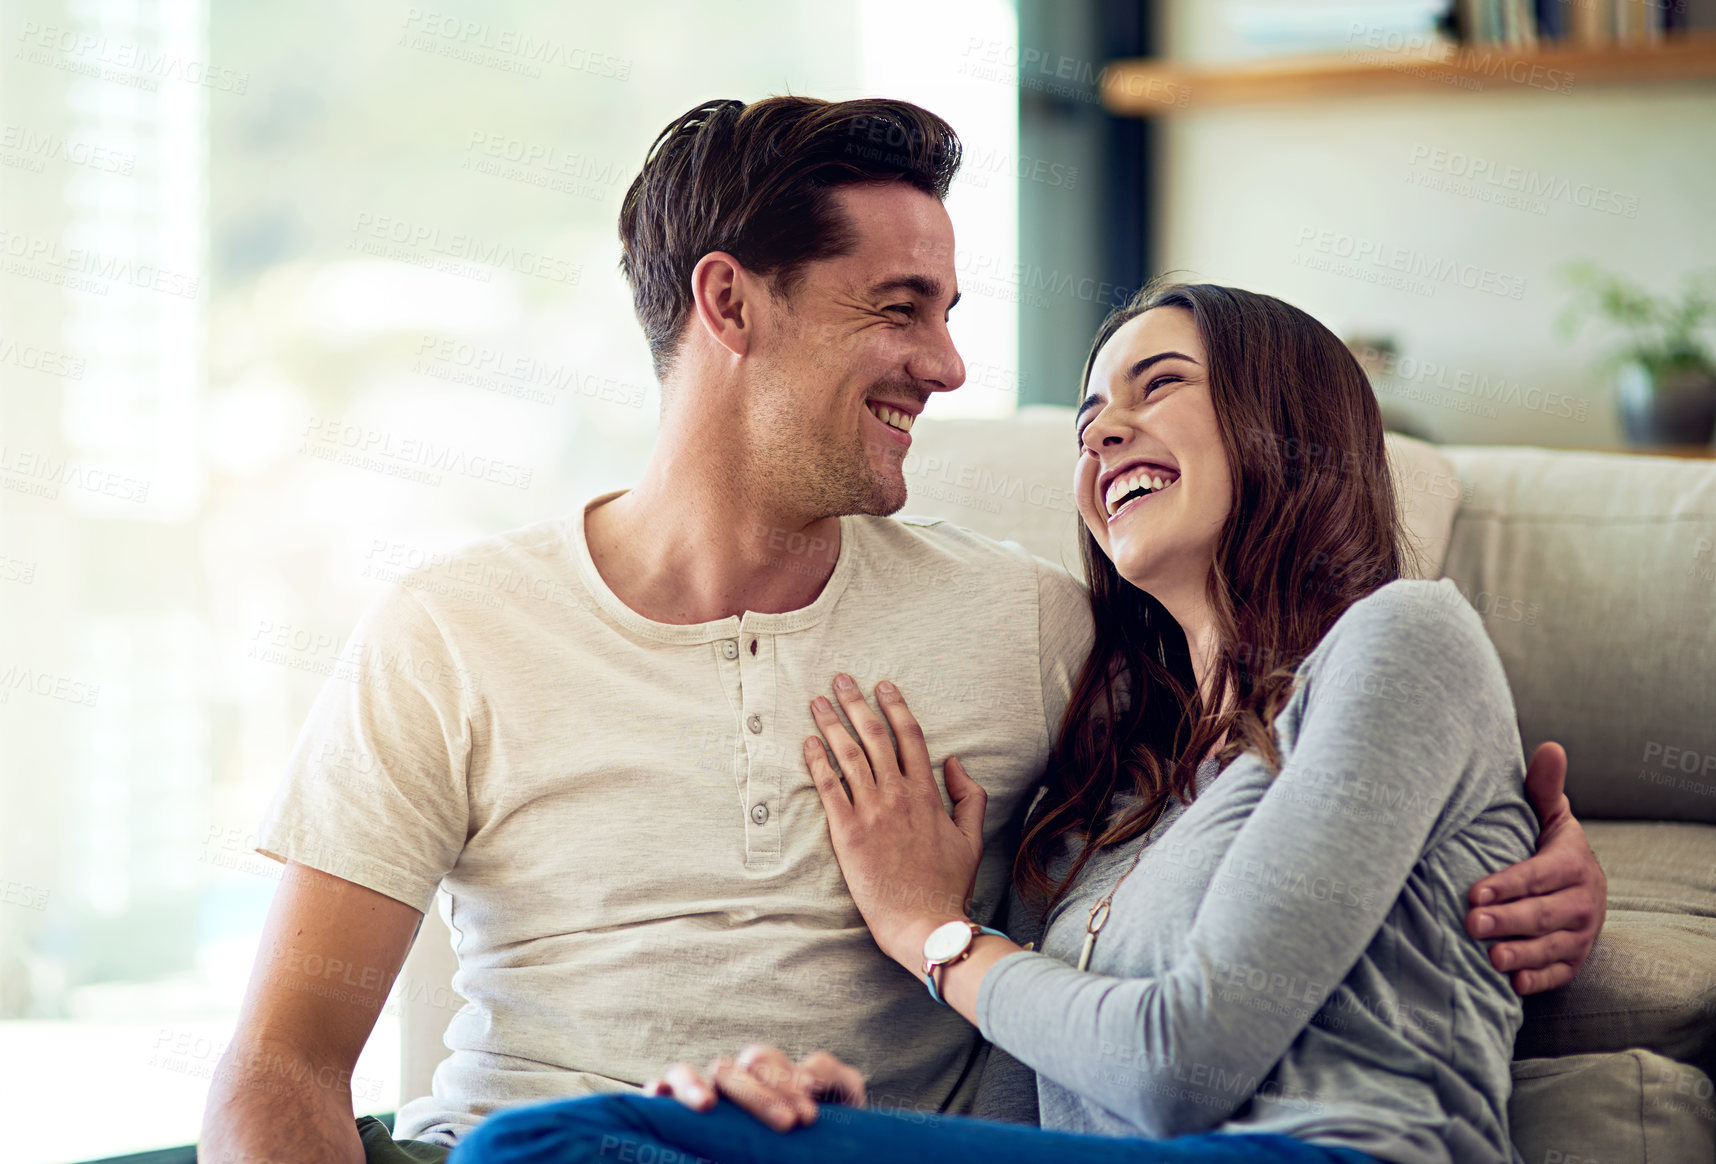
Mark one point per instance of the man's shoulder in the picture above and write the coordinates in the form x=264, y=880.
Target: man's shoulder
x=938, y=538
x=484, y=573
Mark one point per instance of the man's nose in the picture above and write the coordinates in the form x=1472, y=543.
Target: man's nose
x=937, y=364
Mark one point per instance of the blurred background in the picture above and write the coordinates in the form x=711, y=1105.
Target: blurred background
x=295, y=297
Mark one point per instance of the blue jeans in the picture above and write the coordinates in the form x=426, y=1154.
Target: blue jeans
x=634, y=1129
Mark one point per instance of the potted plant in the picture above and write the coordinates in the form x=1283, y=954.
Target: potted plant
x=1665, y=376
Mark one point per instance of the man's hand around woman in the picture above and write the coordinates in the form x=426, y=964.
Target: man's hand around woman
x=766, y=1083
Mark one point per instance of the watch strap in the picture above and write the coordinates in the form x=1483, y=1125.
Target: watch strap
x=929, y=975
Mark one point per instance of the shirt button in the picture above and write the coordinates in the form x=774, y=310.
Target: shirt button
x=760, y=813
x=730, y=648
x=755, y=723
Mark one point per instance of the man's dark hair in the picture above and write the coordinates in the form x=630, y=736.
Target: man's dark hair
x=757, y=181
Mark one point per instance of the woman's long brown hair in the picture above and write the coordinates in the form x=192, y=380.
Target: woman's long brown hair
x=1313, y=528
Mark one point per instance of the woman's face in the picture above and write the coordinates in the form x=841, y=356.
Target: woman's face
x=1152, y=476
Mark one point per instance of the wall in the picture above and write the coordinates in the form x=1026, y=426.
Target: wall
x=1365, y=213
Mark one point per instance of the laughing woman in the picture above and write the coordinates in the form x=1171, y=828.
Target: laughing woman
x=1281, y=768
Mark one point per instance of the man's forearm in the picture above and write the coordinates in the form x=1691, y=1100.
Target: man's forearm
x=274, y=1105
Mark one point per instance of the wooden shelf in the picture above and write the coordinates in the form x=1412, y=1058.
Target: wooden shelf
x=1151, y=88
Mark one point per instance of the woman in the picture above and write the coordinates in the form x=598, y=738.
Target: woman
x=1251, y=875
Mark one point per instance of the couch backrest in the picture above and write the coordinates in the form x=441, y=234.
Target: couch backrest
x=1595, y=574
x=1596, y=577
x=1012, y=480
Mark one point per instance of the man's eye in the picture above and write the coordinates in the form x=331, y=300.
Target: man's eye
x=905, y=307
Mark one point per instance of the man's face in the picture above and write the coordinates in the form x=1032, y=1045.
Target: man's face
x=841, y=367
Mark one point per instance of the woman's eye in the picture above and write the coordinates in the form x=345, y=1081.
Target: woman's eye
x=1158, y=382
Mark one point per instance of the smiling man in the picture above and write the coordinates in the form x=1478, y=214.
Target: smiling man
x=605, y=774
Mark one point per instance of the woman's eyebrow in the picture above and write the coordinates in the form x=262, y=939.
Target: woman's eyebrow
x=1137, y=369
x=1132, y=373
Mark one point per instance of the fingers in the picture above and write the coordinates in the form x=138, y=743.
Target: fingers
x=1546, y=781
x=822, y=774
x=1551, y=870
x=766, y=1090
x=1533, y=954
x=1551, y=977
x=1535, y=917
x=914, y=754
x=872, y=730
x=831, y=1079
x=847, y=752
x=969, y=801
x=686, y=1084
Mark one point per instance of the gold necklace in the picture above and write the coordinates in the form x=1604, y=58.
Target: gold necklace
x=1100, y=911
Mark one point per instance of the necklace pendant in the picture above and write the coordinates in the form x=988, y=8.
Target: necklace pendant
x=1084, y=954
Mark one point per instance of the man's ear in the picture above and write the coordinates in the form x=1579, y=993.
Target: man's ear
x=720, y=290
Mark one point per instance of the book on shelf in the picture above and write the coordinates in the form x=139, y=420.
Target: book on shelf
x=1526, y=23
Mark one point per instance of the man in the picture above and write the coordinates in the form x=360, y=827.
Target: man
x=605, y=772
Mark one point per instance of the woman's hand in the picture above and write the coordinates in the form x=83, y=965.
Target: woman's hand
x=908, y=865
x=766, y=1083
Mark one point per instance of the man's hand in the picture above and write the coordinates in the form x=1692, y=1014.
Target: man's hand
x=1553, y=902
x=766, y=1083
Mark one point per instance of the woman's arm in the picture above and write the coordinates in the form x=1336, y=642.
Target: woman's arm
x=1298, y=895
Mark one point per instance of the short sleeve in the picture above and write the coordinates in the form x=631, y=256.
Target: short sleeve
x=375, y=789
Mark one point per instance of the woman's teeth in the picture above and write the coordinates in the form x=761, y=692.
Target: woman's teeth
x=892, y=417
x=1139, y=481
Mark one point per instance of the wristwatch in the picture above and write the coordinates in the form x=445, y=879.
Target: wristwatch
x=948, y=944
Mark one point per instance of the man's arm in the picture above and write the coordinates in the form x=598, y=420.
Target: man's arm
x=1554, y=902
x=329, y=954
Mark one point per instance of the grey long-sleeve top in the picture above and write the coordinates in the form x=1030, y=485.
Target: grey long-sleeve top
x=1290, y=955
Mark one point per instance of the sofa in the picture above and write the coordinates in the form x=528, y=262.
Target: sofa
x=1595, y=575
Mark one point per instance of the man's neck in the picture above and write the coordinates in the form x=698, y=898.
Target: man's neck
x=687, y=545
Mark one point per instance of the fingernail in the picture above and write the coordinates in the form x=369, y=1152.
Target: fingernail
x=1486, y=895
x=1486, y=923
x=843, y=682
x=821, y=704
x=884, y=688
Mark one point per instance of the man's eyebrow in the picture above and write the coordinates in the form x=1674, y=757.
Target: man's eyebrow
x=922, y=286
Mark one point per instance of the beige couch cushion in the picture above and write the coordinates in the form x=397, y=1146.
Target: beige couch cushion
x=1651, y=979
x=1596, y=574
x=1012, y=480
x=1604, y=1109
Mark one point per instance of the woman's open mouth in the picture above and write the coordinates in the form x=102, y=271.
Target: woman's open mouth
x=1129, y=489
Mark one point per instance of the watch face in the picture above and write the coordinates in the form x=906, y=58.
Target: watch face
x=946, y=941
